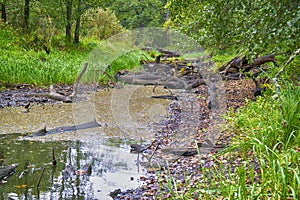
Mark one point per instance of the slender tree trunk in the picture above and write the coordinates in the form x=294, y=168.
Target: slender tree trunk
x=26, y=14
x=77, y=27
x=69, y=17
x=62, y=11
x=3, y=12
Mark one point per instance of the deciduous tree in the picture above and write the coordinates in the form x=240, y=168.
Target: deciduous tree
x=69, y=19
x=138, y=13
x=259, y=26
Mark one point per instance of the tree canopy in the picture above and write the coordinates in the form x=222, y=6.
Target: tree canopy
x=138, y=13
x=255, y=27
x=258, y=26
x=65, y=15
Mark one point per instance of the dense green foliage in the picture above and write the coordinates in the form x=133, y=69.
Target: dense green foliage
x=139, y=13
x=99, y=24
x=258, y=26
x=63, y=15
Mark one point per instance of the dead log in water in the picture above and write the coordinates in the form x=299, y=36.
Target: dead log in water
x=63, y=129
x=7, y=170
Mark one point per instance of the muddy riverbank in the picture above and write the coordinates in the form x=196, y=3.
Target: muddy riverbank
x=184, y=162
x=23, y=94
x=170, y=112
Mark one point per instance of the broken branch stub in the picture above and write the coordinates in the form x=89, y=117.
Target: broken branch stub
x=67, y=99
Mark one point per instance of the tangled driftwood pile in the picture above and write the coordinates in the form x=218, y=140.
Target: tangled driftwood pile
x=239, y=67
x=169, y=70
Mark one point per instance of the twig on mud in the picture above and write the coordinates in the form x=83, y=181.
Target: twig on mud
x=28, y=107
x=40, y=178
x=153, y=90
x=149, y=160
x=53, y=158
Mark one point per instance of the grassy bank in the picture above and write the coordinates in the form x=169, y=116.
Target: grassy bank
x=22, y=61
x=39, y=68
x=267, y=145
x=25, y=61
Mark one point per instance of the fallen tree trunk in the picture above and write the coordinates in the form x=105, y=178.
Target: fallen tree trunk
x=264, y=59
x=237, y=67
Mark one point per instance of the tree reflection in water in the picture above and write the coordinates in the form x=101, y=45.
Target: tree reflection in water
x=111, y=164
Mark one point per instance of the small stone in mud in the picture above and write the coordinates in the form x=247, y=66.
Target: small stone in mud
x=115, y=193
x=143, y=178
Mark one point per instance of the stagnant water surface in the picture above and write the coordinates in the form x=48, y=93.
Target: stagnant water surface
x=106, y=149
x=112, y=167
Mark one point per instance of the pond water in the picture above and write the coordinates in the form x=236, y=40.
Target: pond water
x=106, y=149
x=111, y=162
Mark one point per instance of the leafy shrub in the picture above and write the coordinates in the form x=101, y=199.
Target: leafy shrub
x=100, y=24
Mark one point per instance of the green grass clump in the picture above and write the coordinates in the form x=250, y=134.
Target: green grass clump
x=21, y=62
x=39, y=68
x=272, y=120
x=270, y=130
